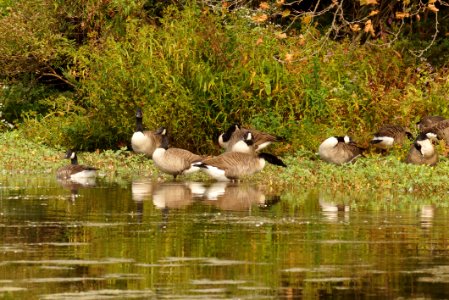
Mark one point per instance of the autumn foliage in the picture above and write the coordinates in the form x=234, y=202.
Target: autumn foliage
x=72, y=72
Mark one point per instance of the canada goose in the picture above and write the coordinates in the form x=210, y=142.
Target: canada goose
x=230, y=166
x=422, y=152
x=144, y=141
x=79, y=173
x=428, y=121
x=390, y=135
x=441, y=129
x=235, y=133
x=174, y=161
x=339, y=150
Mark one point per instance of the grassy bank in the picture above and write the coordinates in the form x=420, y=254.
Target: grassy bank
x=372, y=176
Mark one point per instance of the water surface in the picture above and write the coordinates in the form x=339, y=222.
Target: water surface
x=190, y=240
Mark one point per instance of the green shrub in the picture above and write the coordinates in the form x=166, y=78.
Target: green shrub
x=196, y=72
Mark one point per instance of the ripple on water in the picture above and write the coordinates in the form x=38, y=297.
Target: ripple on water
x=100, y=294
x=111, y=260
x=206, y=281
x=10, y=289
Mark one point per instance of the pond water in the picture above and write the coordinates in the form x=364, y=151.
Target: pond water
x=190, y=240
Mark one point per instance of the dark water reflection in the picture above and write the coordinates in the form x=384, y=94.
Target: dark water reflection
x=191, y=240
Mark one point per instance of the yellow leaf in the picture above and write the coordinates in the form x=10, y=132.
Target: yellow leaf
x=355, y=27
x=307, y=19
x=302, y=40
x=281, y=35
x=264, y=5
x=432, y=1
x=402, y=15
x=285, y=13
x=260, y=18
x=280, y=2
x=368, y=2
x=289, y=57
x=373, y=13
x=406, y=2
x=369, y=28
x=432, y=7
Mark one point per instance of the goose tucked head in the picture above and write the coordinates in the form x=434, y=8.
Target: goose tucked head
x=228, y=133
x=424, y=145
x=162, y=131
x=432, y=136
x=248, y=138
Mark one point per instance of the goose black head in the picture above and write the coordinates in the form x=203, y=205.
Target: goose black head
x=139, y=113
x=70, y=154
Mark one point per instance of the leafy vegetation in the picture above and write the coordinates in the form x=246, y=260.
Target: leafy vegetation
x=73, y=73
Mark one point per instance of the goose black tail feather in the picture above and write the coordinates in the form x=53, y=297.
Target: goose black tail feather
x=272, y=159
x=200, y=165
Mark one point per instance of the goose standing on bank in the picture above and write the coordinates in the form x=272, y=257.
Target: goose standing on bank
x=422, y=152
x=74, y=171
x=174, y=161
x=390, y=135
x=235, y=133
x=144, y=141
x=230, y=166
x=339, y=150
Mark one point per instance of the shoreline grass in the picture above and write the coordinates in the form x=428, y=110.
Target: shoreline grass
x=372, y=175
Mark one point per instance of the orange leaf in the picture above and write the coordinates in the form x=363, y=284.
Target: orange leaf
x=289, y=57
x=281, y=35
x=373, y=13
x=260, y=18
x=402, y=15
x=355, y=27
x=368, y=2
x=280, y=2
x=264, y=5
x=432, y=7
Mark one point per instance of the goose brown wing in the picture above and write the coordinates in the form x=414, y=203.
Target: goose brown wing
x=438, y=127
x=262, y=137
x=186, y=155
x=227, y=160
x=353, y=148
x=391, y=130
x=67, y=171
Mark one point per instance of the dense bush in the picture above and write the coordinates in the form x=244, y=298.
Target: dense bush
x=196, y=71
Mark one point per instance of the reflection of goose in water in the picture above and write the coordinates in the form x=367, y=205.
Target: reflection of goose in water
x=427, y=214
x=172, y=195
x=234, y=196
x=332, y=211
x=74, y=186
x=142, y=189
